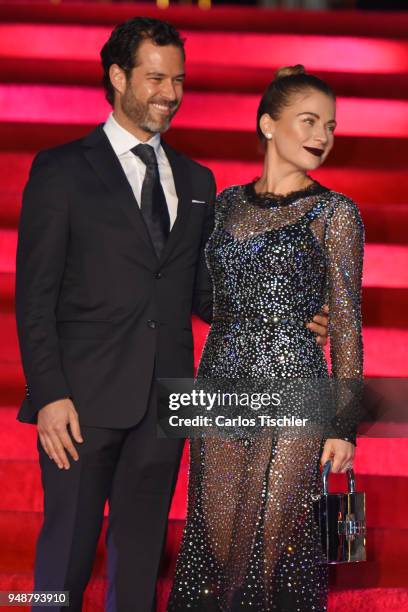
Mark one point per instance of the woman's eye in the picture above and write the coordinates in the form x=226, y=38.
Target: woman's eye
x=309, y=121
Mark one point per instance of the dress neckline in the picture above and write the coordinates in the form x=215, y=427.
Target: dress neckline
x=271, y=200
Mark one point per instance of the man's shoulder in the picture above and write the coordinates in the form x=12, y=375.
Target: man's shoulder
x=54, y=161
x=196, y=169
x=196, y=166
x=61, y=151
x=67, y=150
x=200, y=172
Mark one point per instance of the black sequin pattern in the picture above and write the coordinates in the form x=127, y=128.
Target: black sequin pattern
x=250, y=540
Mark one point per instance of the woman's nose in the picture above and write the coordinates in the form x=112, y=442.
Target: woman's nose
x=321, y=135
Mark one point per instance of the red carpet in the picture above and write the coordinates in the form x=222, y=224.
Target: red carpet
x=49, y=75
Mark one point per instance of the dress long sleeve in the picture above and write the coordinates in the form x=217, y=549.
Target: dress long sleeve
x=345, y=250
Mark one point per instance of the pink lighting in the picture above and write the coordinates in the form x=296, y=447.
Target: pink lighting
x=50, y=93
x=326, y=53
x=209, y=111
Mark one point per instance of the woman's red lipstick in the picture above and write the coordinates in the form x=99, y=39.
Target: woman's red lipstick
x=317, y=152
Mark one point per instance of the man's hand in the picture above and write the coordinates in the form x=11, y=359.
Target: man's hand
x=319, y=325
x=340, y=452
x=53, y=433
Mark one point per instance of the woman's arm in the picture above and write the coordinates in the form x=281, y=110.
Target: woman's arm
x=345, y=249
x=344, y=243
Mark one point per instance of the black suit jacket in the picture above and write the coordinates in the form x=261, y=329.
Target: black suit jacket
x=97, y=312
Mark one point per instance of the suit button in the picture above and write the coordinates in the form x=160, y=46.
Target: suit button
x=158, y=275
x=152, y=324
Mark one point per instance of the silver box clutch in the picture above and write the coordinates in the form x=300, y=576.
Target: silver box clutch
x=341, y=521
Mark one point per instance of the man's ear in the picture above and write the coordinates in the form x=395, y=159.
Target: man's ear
x=118, y=78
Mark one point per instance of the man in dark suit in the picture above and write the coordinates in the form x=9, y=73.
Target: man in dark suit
x=110, y=266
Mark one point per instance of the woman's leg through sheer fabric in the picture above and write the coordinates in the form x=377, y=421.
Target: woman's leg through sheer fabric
x=250, y=541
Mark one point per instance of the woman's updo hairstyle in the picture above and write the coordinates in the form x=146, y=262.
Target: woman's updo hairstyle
x=288, y=81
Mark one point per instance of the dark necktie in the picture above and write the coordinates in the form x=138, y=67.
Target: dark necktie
x=153, y=203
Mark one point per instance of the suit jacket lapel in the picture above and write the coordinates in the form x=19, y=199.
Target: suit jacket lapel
x=105, y=163
x=182, y=181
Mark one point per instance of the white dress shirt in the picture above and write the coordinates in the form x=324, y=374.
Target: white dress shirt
x=122, y=142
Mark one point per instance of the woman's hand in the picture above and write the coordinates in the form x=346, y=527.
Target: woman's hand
x=340, y=452
x=319, y=325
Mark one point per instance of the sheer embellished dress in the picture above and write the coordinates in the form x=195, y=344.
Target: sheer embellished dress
x=250, y=540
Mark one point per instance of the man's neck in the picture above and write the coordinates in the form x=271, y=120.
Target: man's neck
x=125, y=123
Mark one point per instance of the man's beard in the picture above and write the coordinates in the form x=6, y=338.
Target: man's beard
x=139, y=113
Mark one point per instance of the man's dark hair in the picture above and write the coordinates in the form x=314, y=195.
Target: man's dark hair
x=125, y=40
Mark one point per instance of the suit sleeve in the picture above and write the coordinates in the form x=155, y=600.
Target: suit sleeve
x=41, y=254
x=203, y=292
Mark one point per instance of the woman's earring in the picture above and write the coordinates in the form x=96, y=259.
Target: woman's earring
x=268, y=136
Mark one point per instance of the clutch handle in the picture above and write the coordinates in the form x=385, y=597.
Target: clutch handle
x=325, y=478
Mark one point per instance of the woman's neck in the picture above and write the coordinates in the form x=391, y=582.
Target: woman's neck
x=280, y=178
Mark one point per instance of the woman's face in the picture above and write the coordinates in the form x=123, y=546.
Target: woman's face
x=304, y=133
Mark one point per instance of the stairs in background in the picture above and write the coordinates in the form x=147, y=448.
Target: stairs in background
x=49, y=77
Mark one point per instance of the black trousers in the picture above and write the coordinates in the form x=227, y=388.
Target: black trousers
x=137, y=473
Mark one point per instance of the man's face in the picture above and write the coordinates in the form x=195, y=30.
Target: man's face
x=150, y=97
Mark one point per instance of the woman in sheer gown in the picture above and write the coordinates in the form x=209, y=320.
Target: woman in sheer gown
x=282, y=246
